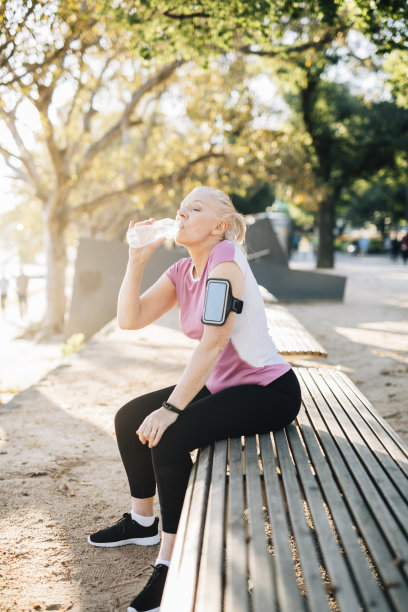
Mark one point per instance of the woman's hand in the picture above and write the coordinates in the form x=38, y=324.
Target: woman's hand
x=154, y=426
x=142, y=254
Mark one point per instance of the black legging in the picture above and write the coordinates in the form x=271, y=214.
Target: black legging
x=233, y=412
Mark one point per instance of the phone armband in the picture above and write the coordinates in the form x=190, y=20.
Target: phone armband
x=219, y=302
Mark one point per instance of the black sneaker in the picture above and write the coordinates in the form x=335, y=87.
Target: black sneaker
x=149, y=599
x=126, y=531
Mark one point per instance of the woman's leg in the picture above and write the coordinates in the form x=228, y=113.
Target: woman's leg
x=136, y=457
x=139, y=526
x=241, y=410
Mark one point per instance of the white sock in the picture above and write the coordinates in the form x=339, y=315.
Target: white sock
x=145, y=521
x=162, y=562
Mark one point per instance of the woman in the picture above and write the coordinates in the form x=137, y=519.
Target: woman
x=235, y=383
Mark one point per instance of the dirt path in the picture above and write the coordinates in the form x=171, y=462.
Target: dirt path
x=61, y=475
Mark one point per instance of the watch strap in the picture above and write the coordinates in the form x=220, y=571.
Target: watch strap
x=171, y=407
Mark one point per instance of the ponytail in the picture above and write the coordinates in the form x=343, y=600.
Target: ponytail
x=236, y=227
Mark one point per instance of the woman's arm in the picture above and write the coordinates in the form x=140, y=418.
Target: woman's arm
x=214, y=340
x=136, y=311
x=201, y=364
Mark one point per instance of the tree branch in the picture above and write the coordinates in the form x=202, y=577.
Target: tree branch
x=113, y=132
x=100, y=80
x=7, y=154
x=111, y=230
x=185, y=16
x=19, y=175
x=56, y=154
x=328, y=37
x=25, y=157
x=58, y=55
x=76, y=212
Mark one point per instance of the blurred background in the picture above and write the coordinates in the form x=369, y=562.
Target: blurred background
x=111, y=111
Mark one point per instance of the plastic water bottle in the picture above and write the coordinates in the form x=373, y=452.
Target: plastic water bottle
x=141, y=235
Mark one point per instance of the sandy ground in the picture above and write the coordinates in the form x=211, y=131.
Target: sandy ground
x=61, y=475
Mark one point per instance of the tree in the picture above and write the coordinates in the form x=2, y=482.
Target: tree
x=104, y=148
x=350, y=139
x=67, y=82
x=290, y=31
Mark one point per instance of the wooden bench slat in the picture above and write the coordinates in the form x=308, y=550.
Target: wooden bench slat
x=182, y=577
x=259, y=559
x=289, y=335
x=398, y=443
x=387, y=436
x=367, y=472
x=172, y=577
x=289, y=340
x=339, y=575
x=210, y=578
x=236, y=591
x=288, y=594
x=362, y=513
x=372, y=596
x=393, y=474
x=316, y=594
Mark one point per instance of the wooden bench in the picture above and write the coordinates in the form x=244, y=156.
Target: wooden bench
x=314, y=517
x=290, y=337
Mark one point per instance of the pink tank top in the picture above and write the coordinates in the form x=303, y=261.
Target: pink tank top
x=250, y=356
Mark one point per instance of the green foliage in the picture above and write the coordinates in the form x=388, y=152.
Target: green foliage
x=73, y=344
x=301, y=218
x=351, y=138
x=396, y=67
x=257, y=199
x=356, y=138
x=376, y=246
x=381, y=198
x=191, y=30
x=202, y=30
x=385, y=22
x=341, y=244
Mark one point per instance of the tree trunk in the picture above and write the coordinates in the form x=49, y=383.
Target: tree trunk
x=325, y=253
x=53, y=322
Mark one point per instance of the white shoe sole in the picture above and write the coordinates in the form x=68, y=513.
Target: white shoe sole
x=139, y=541
x=152, y=610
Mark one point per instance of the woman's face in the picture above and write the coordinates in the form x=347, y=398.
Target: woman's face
x=198, y=218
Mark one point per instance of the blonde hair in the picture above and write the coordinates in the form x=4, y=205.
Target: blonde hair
x=236, y=222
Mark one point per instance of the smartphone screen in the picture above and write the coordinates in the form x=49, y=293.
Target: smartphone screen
x=216, y=301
